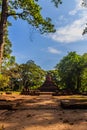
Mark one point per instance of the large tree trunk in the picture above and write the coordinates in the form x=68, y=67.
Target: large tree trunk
x=3, y=21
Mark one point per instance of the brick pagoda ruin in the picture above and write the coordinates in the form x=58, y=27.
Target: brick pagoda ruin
x=48, y=85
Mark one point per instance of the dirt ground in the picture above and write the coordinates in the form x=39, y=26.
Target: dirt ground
x=41, y=113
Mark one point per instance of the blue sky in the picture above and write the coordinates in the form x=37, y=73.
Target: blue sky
x=47, y=50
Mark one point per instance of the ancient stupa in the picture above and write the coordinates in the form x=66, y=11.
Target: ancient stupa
x=48, y=85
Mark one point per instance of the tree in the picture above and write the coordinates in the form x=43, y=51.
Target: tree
x=4, y=81
x=73, y=71
x=8, y=62
x=31, y=75
x=84, y=73
x=28, y=10
x=14, y=77
x=70, y=71
x=55, y=76
x=84, y=81
x=8, y=59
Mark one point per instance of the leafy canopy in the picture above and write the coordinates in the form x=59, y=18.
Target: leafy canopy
x=30, y=11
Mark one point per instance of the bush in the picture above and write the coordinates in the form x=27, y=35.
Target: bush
x=4, y=81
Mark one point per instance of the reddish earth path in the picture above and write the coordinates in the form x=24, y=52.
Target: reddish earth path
x=41, y=113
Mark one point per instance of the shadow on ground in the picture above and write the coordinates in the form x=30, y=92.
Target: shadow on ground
x=41, y=111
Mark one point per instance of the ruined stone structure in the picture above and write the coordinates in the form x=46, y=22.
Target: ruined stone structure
x=48, y=85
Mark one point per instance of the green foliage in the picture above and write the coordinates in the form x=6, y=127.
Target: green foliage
x=67, y=69
x=30, y=11
x=8, y=59
x=84, y=81
x=28, y=75
x=70, y=73
x=31, y=74
x=72, y=70
x=55, y=76
x=57, y=2
x=14, y=76
x=4, y=81
x=84, y=73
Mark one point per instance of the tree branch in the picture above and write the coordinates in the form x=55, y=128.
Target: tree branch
x=14, y=14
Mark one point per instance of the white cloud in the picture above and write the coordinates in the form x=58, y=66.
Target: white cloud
x=78, y=7
x=53, y=50
x=72, y=32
